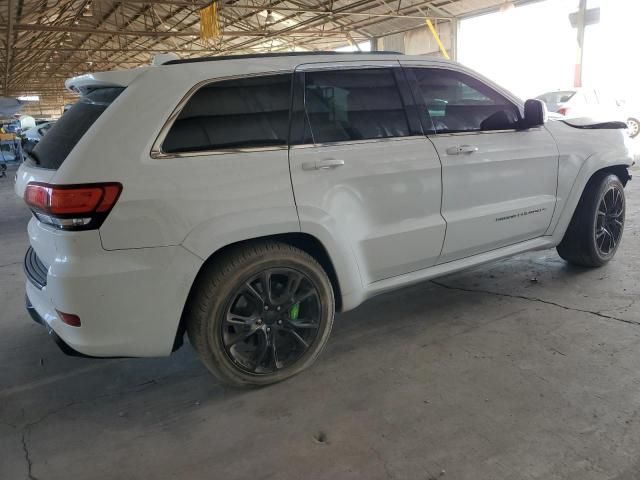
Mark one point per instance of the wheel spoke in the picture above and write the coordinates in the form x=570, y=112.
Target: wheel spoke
x=300, y=340
x=240, y=337
x=253, y=293
x=265, y=280
x=262, y=354
x=304, y=296
x=293, y=284
x=303, y=324
x=610, y=237
x=274, y=351
x=236, y=319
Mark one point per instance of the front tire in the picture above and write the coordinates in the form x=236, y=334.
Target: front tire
x=260, y=314
x=596, y=228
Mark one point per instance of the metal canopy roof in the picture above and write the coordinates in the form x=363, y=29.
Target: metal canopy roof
x=44, y=42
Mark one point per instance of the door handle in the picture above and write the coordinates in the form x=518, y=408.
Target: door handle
x=325, y=164
x=462, y=149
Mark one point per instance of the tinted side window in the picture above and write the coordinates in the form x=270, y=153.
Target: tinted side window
x=354, y=105
x=246, y=112
x=459, y=103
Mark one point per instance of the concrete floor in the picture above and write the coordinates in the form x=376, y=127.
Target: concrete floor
x=523, y=369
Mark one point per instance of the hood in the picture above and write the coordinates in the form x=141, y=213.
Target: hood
x=591, y=123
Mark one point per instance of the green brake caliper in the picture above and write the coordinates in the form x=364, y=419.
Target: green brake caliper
x=294, y=311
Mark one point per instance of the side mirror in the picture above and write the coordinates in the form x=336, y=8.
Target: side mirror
x=535, y=113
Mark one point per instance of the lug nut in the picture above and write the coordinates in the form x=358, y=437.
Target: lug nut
x=259, y=321
x=268, y=329
x=279, y=322
x=266, y=307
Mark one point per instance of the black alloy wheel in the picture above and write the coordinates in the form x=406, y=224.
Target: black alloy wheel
x=610, y=220
x=260, y=313
x=271, y=320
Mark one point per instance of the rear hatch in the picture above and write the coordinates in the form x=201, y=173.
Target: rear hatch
x=98, y=91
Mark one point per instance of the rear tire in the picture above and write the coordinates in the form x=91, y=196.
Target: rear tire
x=260, y=314
x=596, y=228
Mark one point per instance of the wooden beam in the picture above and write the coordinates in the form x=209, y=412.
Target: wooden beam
x=142, y=33
x=7, y=67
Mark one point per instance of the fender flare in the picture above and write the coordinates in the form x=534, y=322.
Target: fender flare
x=592, y=165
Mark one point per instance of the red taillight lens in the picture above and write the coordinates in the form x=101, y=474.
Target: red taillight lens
x=72, y=207
x=563, y=111
x=70, y=319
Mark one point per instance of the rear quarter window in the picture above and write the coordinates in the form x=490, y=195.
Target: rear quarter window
x=238, y=113
x=56, y=145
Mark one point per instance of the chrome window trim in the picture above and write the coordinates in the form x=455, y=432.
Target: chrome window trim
x=357, y=142
x=482, y=132
x=156, y=149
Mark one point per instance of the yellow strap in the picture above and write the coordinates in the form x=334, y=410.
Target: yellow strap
x=437, y=37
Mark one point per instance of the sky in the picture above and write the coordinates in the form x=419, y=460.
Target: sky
x=532, y=49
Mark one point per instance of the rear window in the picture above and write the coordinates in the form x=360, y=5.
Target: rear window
x=52, y=150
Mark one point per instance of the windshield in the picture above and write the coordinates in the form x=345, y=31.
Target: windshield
x=555, y=100
x=52, y=150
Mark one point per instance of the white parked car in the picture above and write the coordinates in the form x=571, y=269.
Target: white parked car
x=244, y=200
x=31, y=137
x=596, y=104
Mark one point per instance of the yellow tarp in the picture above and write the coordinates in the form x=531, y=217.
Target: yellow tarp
x=209, y=22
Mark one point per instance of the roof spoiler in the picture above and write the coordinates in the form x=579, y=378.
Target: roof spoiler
x=83, y=84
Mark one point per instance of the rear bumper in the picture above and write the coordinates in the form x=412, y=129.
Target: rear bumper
x=66, y=349
x=129, y=301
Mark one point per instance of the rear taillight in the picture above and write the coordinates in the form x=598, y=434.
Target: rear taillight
x=72, y=207
x=563, y=111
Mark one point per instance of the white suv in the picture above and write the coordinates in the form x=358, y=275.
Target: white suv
x=243, y=200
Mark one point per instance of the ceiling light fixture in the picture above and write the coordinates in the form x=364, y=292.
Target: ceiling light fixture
x=270, y=19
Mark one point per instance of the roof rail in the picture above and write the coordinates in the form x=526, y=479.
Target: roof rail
x=268, y=55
